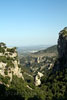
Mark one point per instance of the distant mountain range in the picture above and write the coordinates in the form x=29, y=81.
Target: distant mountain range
x=31, y=49
x=41, y=60
x=52, y=49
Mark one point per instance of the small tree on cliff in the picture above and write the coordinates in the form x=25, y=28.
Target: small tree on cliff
x=2, y=44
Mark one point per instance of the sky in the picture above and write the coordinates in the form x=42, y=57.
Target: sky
x=32, y=22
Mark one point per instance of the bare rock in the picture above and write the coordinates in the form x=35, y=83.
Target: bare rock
x=38, y=79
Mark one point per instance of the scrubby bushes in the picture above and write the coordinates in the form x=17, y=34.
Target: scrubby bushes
x=64, y=32
x=2, y=50
x=2, y=44
x=53, y=87
x=12, y=50
x=9, y=94
x=21, y=87
x=56, y=84
x=5, y=80
x=7, y=60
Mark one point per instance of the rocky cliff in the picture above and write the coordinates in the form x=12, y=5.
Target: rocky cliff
x=9, y=64
x=38, y=79
x=62, y=47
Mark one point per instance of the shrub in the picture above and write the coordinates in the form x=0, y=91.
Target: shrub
x=12, y=50
x=2, y=50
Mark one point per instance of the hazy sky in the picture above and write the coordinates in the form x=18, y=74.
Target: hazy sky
x=32, y=22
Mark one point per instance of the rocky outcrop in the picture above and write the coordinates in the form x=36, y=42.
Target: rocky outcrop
x=62, y=43
x=38, y=79
x=9, y=64
x=62, y=47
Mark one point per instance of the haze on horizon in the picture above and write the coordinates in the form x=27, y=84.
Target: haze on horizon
x=31, y=22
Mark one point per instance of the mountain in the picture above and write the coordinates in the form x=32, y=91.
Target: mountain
x=56, y=80
x=48, y=83
x=9, y=64
x=13, y=80
x=52, y=49
x=26, y=50
x=41, y=60
x=53, y=84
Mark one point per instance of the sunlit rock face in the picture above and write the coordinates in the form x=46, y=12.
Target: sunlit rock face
x=38, y=79
x=9, y=64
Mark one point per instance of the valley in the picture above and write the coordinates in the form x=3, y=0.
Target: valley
x=40, y=61
x=41, y=75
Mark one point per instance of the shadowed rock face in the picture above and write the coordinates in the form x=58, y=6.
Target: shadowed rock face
x=62, y=46
x=62, y=43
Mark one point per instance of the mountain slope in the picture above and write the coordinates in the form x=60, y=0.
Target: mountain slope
x=40, y=61
x=53, y=84
x=56, y=80
x=52, y=49
x=9, y=64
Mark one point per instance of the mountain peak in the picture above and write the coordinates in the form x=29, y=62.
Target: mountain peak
x=63, y=32
x=62, y=46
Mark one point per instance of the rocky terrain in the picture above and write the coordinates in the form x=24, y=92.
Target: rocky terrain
x=62, y=43
x=9, y=64
x=38, y=79
x=62, y=46
x=41, y=60
x=45, y=79
x=62, y=50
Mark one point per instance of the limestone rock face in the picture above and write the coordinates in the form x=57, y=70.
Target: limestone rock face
x=38, y=79
x=9, y=64
x=17, y=70
x=2, y=68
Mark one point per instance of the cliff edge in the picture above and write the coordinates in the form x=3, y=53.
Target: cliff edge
x=9, y=64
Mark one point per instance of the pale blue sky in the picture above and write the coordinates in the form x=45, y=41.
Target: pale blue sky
x=32, y=22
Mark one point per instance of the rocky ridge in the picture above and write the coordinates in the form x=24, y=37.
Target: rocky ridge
x=9, y=64
x=38, y=79
x=62, y=47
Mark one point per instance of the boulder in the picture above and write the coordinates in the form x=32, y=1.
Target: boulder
x=38, y=79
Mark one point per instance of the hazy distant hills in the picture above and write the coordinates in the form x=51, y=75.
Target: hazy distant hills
x=49, y=51
x=40, y=60
x=52, y=49
x=37, y=51
x=25, y=50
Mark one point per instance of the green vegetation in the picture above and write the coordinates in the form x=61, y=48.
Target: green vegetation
x=9, y=64
x=2, y=50
x=53, y=87
x=5, y=80
x=64, y=33
x=7, y=60
x=52, y=49
x=56, y=84
x=11, y=50
x=6, y=71
x=2, y=44
x=21, y=87
x=53, y=83
x=9, y=94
